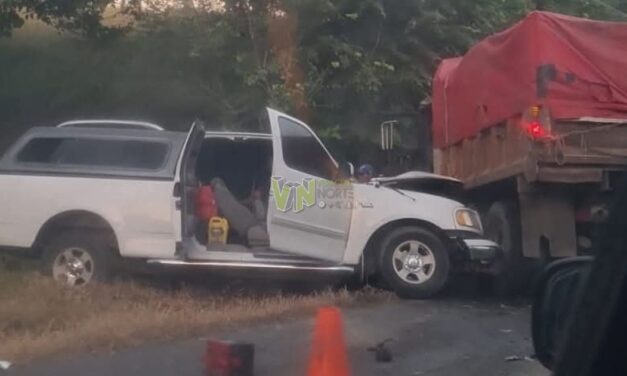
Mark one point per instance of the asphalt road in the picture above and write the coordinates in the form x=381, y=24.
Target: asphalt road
x=450, y=336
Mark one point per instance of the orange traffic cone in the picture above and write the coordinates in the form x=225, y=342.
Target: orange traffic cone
x=328, y=352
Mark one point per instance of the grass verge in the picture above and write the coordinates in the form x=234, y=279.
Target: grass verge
x=40, y=319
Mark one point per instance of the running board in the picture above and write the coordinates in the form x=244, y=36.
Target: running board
x=277, y=266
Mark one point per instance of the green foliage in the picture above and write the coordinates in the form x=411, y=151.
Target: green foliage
x=614, y=10
x=343, y=64
x=83, y=16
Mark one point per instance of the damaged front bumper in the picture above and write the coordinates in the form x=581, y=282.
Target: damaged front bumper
x=481, y=250
x=474, y=252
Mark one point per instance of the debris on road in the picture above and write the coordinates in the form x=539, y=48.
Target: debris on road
x=4, y=365
x=381, y=353
x=515, y=358
x=226, y=358
x=506, y=330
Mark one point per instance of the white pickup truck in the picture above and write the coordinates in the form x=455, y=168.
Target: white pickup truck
x=84, y=197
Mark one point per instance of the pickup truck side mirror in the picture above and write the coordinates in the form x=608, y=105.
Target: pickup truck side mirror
x=346, y=170
x=556, y=295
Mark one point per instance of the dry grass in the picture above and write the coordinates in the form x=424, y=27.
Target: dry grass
x=41, y=319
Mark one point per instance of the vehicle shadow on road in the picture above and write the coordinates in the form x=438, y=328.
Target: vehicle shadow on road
x=255, y=283
x=479, y=288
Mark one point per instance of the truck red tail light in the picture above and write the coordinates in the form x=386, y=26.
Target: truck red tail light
x=536, y=123
x=536, y=130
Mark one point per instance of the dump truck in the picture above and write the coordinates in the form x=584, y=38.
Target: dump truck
x=533, y=120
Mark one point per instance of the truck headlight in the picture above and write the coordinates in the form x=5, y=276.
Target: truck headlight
x=468, y=218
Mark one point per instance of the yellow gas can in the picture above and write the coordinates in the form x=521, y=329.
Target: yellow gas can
x=218, y=230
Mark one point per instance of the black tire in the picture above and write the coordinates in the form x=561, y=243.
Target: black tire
x=417, y=290
x=90, y=242
x=502, y=225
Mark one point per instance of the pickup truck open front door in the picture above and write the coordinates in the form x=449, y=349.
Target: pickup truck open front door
x=187, y=183
x=309, y=213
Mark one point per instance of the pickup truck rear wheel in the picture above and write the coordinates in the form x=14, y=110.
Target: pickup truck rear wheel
x=414, y=262
x=77, y=258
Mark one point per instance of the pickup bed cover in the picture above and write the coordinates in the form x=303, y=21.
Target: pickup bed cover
x=174, y=142
x=575, y=66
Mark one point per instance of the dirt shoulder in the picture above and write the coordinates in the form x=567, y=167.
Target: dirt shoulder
x=40, y=319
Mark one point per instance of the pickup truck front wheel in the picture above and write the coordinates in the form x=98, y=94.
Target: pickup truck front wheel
x=414, y=262
x=77, y=259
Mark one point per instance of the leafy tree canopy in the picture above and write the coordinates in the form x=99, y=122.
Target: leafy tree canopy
x=345, y=65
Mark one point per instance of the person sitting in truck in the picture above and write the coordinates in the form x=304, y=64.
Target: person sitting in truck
x=257, y=201
x=365, y=173
x=241, y=219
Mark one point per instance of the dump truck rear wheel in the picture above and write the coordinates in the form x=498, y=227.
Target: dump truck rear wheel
x=502, y=225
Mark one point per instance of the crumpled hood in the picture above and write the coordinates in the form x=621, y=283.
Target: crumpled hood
x=414, y=176
x=425, y=182
x=382, y=201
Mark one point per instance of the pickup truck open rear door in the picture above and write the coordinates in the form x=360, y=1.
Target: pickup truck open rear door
x=187, y=183
x=309, y=213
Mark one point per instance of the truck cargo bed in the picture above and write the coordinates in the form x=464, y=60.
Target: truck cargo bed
x=580, y=151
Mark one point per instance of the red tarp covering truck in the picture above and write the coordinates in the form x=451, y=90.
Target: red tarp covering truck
x=577, y=67
x=533, y=120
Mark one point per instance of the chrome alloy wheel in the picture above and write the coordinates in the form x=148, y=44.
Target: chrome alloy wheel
x=73, y=267
x=413, y=262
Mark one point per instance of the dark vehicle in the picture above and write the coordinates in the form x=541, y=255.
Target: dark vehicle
x=578, y=318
